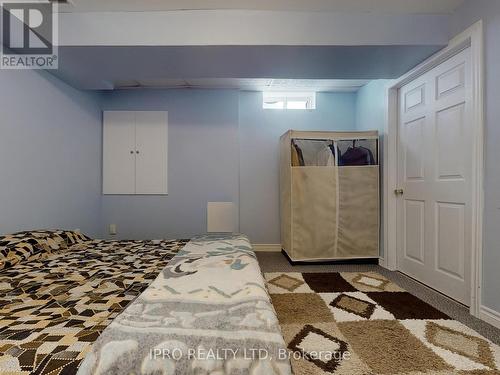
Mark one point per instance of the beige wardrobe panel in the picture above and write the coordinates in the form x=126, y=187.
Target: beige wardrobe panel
x=314, y=201
x=285, y=191
x=358, y=227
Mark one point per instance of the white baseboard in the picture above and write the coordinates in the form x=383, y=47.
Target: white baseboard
x=266, y=247
x=489, y=316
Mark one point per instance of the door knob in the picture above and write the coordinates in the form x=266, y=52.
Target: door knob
x=398, y=191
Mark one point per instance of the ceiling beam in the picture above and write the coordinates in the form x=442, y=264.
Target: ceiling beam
x=241, y=27
x=372, y=6
x=101, y=67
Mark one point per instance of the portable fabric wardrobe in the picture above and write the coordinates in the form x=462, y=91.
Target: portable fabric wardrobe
x=329, y=206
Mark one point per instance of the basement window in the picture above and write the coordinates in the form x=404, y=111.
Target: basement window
x=289, y=100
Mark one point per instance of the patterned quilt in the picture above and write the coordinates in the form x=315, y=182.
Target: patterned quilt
x=37, y=244
x=208, y=312
x=52, y=309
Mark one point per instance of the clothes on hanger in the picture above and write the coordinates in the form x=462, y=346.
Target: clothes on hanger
x=321, y=153
x=357, y=155
x=308, y=149
x=326, y=156
x=297, y=156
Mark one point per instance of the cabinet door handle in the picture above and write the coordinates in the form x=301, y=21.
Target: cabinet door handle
x=137, y=152
x=131, y=151
x=398, y=191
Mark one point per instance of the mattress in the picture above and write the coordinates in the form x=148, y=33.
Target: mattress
x=136, y=307
x=52, y=309
x=207, y=312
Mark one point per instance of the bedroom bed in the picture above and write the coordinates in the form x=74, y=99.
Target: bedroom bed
x=70, y=304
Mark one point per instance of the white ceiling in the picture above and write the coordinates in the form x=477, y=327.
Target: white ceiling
x=375, y=6
x=249, y=84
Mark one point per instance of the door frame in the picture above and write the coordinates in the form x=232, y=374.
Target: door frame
x=473, y=38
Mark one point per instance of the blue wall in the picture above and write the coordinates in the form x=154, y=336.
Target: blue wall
x=466, y=15
x=203, y=163
x=50, y=148
x=371, y=106
x=371, y=111
x=259, y=156
x=222, y=146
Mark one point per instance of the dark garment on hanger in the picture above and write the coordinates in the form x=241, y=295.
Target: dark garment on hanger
x=371, y=159
x=357, y=156
x=332, y=149
x=299, y=154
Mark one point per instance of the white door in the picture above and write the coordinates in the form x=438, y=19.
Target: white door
x=118, y=152
x=435, y=152
x=151, y=152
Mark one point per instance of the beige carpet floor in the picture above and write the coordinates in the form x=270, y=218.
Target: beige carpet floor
x=360, y=322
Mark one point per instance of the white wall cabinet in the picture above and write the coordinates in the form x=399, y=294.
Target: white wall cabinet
x=135, y=152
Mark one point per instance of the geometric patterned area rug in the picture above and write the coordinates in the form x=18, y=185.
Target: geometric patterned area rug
x=357, y=323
